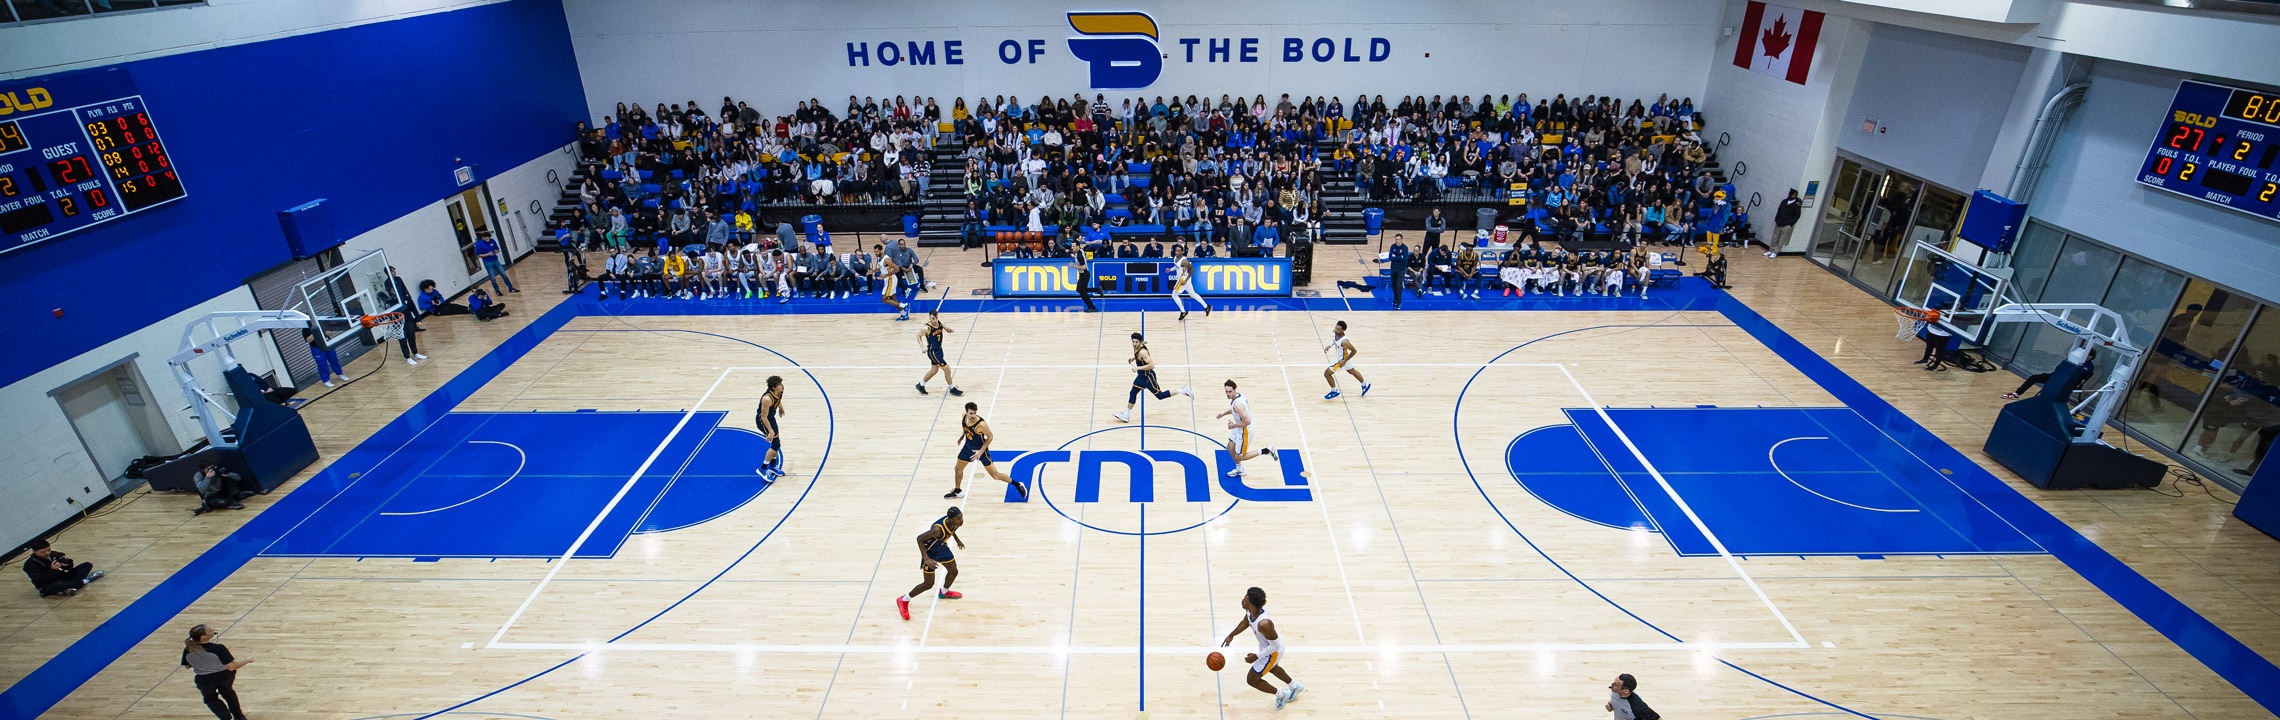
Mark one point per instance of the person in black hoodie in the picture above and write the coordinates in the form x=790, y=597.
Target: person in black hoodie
x=1785, y=220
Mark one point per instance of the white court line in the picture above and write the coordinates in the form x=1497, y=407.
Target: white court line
x=1125, y=365
x=1816, y=493
x=521, y=459
x=556, y=566
x=901, y=649
x=1682, y=506
x=994, y=390
x=1306, y=453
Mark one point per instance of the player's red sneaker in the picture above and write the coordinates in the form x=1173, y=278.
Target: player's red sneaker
x=949, y=595
x=904, y=606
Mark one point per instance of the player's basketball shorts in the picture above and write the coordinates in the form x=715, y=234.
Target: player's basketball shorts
x=939, y=552
x=768, y=428
x=887, y=287
x=1266, y=662
x=934, y=355
x=972, y=452
x=1344, y=364
x=1239, y=440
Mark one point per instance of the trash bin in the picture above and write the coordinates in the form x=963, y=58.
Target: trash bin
x=1484, y=220
x=809, y=224
x=910, y=226
x=1373, y=219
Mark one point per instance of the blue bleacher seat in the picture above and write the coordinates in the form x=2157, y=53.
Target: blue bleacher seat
x=678, y=176
x=1140, y=182
x=612, y=175
x=1114, y=199
x=1140, y=168
x=648, y=174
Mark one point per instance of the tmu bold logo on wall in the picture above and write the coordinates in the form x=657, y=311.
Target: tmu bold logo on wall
x=1121, y=47
x=1124, y=50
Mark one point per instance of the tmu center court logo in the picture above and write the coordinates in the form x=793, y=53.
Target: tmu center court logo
x=1121, y=46
x=1048, y=473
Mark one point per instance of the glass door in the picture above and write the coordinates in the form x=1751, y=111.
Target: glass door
x=1849, y=205
x=1884, y=239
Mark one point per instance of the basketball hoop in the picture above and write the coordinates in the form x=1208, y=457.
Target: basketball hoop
x=385, y=326
x=1912, y=320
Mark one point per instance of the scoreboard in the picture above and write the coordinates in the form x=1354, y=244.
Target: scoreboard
x=78, y=150
x=2220, y=145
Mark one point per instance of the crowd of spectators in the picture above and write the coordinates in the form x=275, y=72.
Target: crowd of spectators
x=683, y=186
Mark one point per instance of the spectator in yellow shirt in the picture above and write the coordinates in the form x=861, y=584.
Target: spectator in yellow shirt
x=676, y=274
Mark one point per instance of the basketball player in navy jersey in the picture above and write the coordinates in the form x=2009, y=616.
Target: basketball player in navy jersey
x=1144, y=379
x=934, y=552
x=932, y=337
x=772, y=407
x=977, y=435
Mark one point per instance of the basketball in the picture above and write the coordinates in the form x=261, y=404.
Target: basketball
x=1215, y=661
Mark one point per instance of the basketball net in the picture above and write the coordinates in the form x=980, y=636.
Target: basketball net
x=386, y=327
x=1912, y=321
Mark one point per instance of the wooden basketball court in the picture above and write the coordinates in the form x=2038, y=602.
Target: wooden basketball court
x=1524, y=505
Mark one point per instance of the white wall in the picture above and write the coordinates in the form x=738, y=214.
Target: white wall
x=679, y=50
x=1939, y=101
x=52, y=47
x=1783, y=131
x=43, y=466
x=2091, y=188
x=422, y=246
x=2217, y=44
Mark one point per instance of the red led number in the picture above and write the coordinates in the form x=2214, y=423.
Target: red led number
x=2161, y=165
x=95, y=198
x=2187, y=138
x=70, y=170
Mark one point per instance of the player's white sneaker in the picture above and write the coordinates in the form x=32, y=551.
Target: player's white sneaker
x=1282, y=697
x=417, y=356
x=1122, y=417
x=1295, y=689
x=328, y=383
x=1184, y=391
x=409, y=361
x=1237, y=472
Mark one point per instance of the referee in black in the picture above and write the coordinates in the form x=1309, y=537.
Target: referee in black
x=216, y=672
x=1085, y=289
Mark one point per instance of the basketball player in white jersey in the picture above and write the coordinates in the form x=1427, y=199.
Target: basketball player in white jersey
x=1343, y=344
x=1269, y=657
x=1183, y=283
x=1239, y=430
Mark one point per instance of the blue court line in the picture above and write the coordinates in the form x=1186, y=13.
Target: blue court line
x=47, y=685
x=60, y=675
x=1457, y=431
x=2248, y=672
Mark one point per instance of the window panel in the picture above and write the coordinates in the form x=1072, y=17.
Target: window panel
x=2242, y=415
x=2184, y=361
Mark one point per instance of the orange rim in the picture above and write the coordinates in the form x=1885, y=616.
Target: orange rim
x=1917, y=314
x=374, y=320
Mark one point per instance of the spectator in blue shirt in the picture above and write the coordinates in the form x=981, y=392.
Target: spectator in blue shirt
x=1266, y=236
x=488, y=251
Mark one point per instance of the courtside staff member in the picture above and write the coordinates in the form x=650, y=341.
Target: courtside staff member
x=216, y=672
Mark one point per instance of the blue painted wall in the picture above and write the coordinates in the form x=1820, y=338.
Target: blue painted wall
x=371, y=117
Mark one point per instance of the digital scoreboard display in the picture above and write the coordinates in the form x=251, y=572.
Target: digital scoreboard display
x=77, y=150
x=2220, y=145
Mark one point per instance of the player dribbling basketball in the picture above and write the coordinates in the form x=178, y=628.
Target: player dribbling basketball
x=1269, y=657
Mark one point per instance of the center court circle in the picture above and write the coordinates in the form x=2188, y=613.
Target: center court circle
x=1208, y=462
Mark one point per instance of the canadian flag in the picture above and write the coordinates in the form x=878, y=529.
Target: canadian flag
x=1778, y=41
